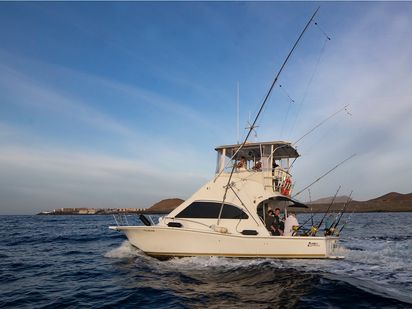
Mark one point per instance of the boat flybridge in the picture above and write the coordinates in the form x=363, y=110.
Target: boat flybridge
x=227, y=218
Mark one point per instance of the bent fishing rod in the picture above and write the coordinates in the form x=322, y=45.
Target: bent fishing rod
x=261, y=109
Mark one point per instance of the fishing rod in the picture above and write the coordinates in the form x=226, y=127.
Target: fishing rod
x=310, y=218
x=252, y=126
x=328, y=172
x=331, y=230
x=342, y=212
x=260, y=111
x=311, y=207
x=346, y=221
x=314, y=229
x=303, y=224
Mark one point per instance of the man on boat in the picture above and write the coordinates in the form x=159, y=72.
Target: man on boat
x=241, y=165
x=277, y=224
x=269, y=219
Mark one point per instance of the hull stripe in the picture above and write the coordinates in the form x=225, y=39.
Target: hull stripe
x=182, y=254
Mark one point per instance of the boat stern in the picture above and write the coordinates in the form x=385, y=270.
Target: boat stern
x=333, y=249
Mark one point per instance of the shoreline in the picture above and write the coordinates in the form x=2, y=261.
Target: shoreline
x=306, y=211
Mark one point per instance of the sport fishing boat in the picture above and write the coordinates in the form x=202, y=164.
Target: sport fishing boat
x=203, y=226
x=226, y=217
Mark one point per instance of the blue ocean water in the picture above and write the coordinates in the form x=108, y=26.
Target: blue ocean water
x=76, y=261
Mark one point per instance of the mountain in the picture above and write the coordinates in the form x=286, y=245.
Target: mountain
x=393, y=201
x=165, y=206
x=389, y=202
x=392, y=196
x=328, y=200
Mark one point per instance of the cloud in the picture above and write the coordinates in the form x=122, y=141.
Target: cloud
x=42, y=179
x=366, y=65
x=33, y=93
x=369, y=68
x=37, y=172
x=30, y=87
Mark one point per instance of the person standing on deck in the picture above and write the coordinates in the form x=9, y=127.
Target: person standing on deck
x=269, y=220
x=277, y=224
x=290, y=222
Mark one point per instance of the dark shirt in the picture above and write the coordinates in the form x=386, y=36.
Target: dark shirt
x=269, y=221
x=277, y=224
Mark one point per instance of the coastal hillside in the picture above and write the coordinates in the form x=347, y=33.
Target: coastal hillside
x=328, y=200
x=393, y=201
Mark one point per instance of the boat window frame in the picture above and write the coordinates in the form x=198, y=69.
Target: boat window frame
x=213, y=212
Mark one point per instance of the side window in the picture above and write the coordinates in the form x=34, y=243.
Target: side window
x=210, y=210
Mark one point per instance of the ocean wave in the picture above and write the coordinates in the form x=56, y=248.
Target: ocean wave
x=125, y=250
x=78, y=262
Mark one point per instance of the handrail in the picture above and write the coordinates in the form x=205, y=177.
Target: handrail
x=187, y=220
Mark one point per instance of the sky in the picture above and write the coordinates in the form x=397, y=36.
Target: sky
x=121, y=104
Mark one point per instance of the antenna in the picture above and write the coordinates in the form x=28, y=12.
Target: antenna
x=251, y=127
x=237, y=112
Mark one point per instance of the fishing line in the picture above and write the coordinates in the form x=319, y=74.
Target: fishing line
x=291, y=101
x=306, y=92
x=241, y=202
x=287, y=94
x=264, y=103
x=345, y=108
x=260, y=111
x=319, y=124
x=321, y=30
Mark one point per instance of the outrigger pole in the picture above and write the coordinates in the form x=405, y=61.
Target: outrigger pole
x=260, y=110
x=331, y=170
x=322, y=122
x=315, y=127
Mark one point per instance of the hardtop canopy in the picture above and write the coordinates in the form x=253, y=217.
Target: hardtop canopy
x=281, y=149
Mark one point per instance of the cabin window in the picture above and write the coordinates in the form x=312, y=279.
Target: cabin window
x=210, y=210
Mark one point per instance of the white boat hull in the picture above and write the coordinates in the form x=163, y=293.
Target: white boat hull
x=164, y=242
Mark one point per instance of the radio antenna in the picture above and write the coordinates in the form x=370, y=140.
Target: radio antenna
x=237, y=112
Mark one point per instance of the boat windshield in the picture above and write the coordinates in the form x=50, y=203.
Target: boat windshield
x=255, y=156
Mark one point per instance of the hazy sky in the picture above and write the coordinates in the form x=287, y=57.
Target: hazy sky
x=121, y=104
